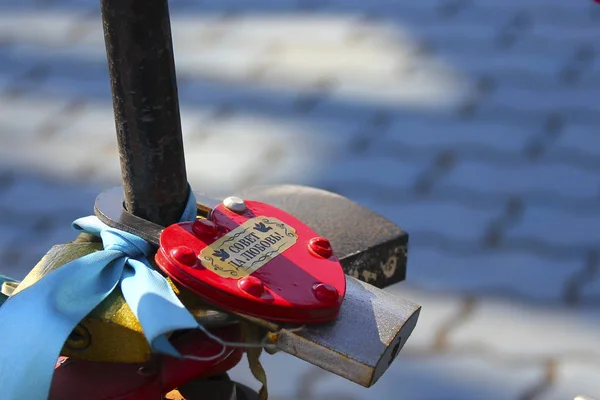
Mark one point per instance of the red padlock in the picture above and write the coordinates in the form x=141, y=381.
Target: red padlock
x=258, y=260
x=81, y=379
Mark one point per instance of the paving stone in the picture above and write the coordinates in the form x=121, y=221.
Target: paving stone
x=348, y=173
x=516, y=36
x=275, y=91
x=11, y=6
x=418, y=92
x=88, y=32
x=413, y=81
x=192, y=31
x=563, y=15
x=215, y=95
x=366, y=71
x=423, y=133
x=59, y=85
x=6, y=81
x=558, y=227
x=446, y=377
x=48, y=28
x=344, y=61
x=222, y=63
x=590, y=291
x=75, y=71
x=26, y=253
x=537, y=20
x=21, y=119
x=414, y=377
x=86, y=121
x=308, y=31
x=37, y=215
x=12, y=68
x=282, y=371
x=8, y=235
x=62, y=161
x=33, y=197
x=529, y=61
x=490, y=112
x=94, y=120
x=437, y=311
x=107, y=171
x=555, y=5
x=193, y=122
x=550, y=179
x=442, y=35
x=520, y=72
x=14, y=265
x=580, y=138
x=566, y=15
x=22, y=245
x=529, y=100
x=486, y=273
x=253, y=150
x=574, y=379
x=235, y=6
x=421, y=219
x=527, y=331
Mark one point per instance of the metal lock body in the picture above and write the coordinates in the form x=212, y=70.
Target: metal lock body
x=367, y=314
x=371, y=325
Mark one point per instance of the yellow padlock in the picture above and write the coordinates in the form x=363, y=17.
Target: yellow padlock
x=111, y=332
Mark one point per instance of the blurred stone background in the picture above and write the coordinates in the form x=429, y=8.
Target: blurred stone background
x=469, y=123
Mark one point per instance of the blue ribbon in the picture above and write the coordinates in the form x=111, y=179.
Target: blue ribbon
x=37, y=321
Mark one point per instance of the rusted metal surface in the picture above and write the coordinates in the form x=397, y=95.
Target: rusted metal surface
x=142, y=76
x=370, y=247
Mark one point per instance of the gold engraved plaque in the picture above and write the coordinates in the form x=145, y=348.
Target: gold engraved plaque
x=248, y=247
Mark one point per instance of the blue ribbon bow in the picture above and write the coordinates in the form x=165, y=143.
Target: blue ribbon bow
x=37, y=321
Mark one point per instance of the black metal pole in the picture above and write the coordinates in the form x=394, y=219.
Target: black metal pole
x=138, y=41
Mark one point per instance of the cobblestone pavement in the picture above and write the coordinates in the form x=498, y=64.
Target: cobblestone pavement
x=470, y=124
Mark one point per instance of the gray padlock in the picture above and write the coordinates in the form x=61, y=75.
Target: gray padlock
x=370, y=330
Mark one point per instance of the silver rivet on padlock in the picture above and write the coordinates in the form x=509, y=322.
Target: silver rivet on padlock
x=235, y=204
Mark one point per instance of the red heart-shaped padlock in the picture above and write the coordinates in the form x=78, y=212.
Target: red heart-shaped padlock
x=256, y=260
